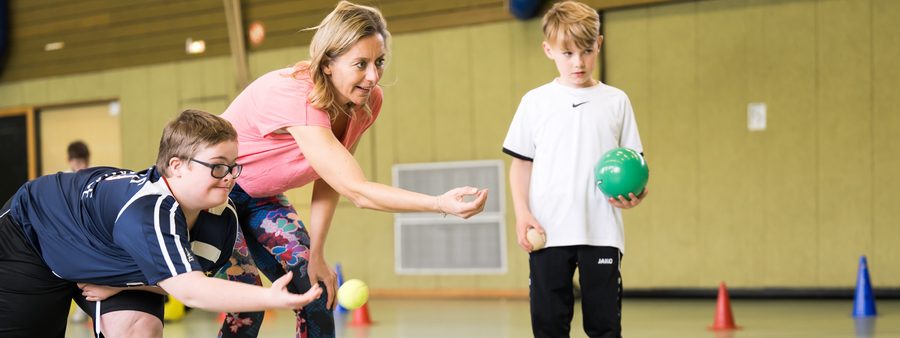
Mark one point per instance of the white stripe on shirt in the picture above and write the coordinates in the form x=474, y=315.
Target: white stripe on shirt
x=184, y=260
x=159, y=237
x=237, y=220
x=155, y=188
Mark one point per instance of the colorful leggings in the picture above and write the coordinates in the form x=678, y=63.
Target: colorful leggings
x=278, y=241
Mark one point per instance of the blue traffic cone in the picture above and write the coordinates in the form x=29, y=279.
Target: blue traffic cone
x=340, y=279
x=864, y=300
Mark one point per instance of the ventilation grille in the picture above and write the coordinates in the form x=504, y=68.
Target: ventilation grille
x=430, y=244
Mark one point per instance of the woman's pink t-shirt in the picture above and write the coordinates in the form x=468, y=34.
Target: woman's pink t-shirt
x=273, y=162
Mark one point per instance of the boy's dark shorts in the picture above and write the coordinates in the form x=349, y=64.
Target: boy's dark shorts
x=36, y=302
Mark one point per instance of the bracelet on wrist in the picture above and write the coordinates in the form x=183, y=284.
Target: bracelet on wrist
x=437, y=203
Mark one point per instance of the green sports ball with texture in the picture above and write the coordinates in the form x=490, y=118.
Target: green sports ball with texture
x=621, y=171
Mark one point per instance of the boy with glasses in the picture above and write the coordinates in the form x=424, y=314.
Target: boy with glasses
x=115, y=240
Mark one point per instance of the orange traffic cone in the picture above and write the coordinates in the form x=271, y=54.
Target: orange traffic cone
x=361, y=316
x=723, y=319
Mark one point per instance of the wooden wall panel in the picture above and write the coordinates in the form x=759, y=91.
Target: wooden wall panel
x=12, y=96
x=844, y=135
x=493, y=105
x=107, y=34
x=453, y=120
x=626, y=40
x=101, y=35
x=137, y=130
x=731, y=205
x=826, y=69
x=786, y=82
x=885, y=130
x=676, y=175
x=794, y=205
x=416, y=121
x=489, y=90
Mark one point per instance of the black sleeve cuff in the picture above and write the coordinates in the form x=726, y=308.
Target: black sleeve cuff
x=518, y=156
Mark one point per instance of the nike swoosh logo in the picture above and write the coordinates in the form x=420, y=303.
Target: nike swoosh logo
x=575, y=105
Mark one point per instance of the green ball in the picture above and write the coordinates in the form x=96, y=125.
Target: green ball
x=621, y=171
x=353, y=294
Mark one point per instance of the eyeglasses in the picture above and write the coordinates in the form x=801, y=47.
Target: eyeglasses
x=221, y=170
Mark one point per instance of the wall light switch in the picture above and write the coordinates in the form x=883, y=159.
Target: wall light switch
x=756, y=116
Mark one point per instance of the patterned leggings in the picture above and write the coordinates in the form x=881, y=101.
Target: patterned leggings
x=277, y=241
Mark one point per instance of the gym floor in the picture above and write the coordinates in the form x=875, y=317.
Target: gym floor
x=643, y=318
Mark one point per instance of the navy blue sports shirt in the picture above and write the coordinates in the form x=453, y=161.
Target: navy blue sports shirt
x=116, y=227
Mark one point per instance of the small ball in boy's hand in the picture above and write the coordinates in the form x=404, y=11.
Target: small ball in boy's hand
x=353, y=294
x=536, y=239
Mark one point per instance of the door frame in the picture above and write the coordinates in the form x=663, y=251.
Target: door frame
x=30, y=135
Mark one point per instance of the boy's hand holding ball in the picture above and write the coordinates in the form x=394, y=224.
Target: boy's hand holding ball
x=537, y=239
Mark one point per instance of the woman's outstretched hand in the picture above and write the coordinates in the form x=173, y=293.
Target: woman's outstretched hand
x=454, y=202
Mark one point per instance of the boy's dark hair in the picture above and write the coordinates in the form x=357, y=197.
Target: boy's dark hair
x=78, y=150
x=189, y=133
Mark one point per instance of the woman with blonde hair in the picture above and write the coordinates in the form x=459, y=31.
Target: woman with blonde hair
x=301, y=125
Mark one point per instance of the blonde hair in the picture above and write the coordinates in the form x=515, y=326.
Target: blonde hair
x=335, y=35
x=571, y=21
x=189, y=133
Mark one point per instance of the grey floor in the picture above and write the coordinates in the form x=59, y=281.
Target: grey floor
x=402, y=318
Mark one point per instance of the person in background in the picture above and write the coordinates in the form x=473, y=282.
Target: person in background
x=79, y=155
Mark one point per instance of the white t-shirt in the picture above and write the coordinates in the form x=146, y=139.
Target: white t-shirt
x=565, y=131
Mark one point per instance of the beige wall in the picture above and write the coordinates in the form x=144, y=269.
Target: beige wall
x=93, y=124
x=791, y=206
x=795, y=205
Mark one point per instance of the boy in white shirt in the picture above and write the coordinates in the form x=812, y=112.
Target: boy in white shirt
x=558, y=133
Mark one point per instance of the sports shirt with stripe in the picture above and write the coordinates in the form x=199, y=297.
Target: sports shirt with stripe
x=117, y=227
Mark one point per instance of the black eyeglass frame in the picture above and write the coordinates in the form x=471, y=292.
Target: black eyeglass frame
x=212, y=168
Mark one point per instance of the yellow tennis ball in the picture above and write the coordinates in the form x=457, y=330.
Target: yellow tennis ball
x=174, y=310
x=353, y=294
x=536, y=239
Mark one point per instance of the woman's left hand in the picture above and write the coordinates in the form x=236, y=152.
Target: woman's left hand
x=94, y=293
x=319, y=270
x=453, y=202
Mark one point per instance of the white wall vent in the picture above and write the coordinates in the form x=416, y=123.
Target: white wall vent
x=430, y=244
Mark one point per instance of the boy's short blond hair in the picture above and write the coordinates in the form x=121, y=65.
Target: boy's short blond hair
x=189, y=133
x=571, y=21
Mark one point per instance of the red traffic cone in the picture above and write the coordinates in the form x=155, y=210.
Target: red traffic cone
x=361, y=316
x=723, y=319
